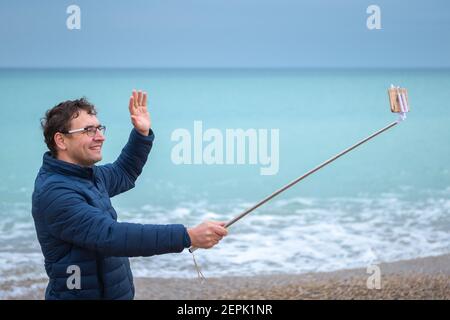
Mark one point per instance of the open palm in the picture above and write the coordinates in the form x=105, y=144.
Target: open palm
x=140, y=117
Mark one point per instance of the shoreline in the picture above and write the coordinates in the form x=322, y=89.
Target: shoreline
x=420, y=278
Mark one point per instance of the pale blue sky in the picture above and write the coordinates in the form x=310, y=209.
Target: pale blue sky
x=225, y=33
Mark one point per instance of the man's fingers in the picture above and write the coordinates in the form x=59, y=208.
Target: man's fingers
x=221, y=231
x=219, y=223
x=139, y=100
x=135, y=98
x=131, y=105
x=144, y=99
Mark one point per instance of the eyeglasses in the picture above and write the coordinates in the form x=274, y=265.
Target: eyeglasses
x=91, y=131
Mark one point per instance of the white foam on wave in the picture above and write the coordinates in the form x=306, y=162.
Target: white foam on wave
x=22, y=291
x=20, y=273
x=301, y=235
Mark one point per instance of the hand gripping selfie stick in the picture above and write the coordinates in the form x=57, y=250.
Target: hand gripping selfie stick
x=399, y=104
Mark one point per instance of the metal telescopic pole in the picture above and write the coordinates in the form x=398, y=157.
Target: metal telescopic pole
x=320, y=166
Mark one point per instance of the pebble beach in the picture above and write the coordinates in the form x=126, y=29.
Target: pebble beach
x=422, y=278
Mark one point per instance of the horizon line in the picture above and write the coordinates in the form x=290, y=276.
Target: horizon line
x=237, y=68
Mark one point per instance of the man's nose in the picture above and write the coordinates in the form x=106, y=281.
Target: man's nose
x=99, y=136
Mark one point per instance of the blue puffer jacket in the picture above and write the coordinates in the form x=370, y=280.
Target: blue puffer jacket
x=77, y=226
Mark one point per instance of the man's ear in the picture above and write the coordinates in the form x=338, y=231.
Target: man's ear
x=60, y=141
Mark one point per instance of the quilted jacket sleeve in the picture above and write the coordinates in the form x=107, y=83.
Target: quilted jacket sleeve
x=121, y=175
x=70, y=218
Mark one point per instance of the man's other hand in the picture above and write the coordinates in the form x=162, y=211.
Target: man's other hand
x=207, y=234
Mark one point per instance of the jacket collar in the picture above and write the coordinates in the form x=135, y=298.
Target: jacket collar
x=52, y=164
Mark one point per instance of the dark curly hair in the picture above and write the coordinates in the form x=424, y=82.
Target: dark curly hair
x=57, y=119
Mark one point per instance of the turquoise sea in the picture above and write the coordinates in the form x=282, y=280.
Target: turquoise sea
x=385, y=201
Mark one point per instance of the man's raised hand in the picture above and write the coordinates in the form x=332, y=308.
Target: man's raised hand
x=140, y=117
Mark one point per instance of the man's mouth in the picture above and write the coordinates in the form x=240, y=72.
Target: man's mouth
x=96, y=148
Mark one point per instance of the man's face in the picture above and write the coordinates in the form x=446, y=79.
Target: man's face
x=81, y=148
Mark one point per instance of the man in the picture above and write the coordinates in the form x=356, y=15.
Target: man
x=75, y=222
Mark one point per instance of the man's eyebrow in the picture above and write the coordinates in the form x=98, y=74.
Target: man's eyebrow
x=92, y=125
